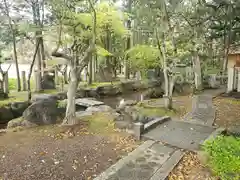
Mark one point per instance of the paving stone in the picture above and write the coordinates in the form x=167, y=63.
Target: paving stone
x=162, y=173
x=203, y=110
x=180, y=134
x=140, y=166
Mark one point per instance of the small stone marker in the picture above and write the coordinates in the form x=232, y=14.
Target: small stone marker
x=138, y=130
x=24, y=82
x=138, y=76
x=5, y=83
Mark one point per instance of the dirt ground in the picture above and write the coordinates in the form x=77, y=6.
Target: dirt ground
x=190, y=167
x=227, y=111
x=53, y=152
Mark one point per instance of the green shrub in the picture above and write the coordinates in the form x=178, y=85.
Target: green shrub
x=224, y=157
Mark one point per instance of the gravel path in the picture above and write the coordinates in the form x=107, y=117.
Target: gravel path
x=37, y=155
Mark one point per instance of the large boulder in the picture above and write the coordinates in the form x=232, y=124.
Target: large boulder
x=42, y=112
x=182, y=89
x=3, y=95
x=101, y=108
x=154, y=83
x=123, y=104
x=18, y=108
x=81, y=93
x=127, y=86
x=5, y=114
x=83, y=114
x=156, y=92
x=108, y=90
x=15, y=123
x=61, y=95
x=19, y=122
x=92, y=92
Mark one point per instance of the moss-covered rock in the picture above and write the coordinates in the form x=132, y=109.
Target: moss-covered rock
x=15, y=123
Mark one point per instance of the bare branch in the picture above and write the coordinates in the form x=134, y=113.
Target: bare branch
x=55, y=52
x=62, y=55
x=9, y=67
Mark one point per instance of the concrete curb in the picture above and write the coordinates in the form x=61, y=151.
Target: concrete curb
x=152, y=124
x=213, y=135
x=114, y=168
x=140, y=128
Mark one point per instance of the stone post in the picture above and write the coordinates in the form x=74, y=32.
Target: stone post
x=56, y=75
x=235, y=81
x=37, y=81
x=138, y=130
x=138, y=76
x=238, y=83
x=230, y=79
x=5, y=83
x=24, y=82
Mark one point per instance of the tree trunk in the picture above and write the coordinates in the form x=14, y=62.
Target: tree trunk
x=16, y=61
x=38, y=40
x=90, y=69
x=127, y=64
x=228, y=39
x=226, y=51
x=14, y=44
x=94, y=68
x=5, y=83
x=43, y=57
x=30, y=73
x=168, y=103
x=197, y=72
x=70, y=116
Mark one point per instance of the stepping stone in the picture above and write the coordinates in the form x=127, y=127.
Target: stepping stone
x=87, y=102
x=180, y=134
x=145, y=161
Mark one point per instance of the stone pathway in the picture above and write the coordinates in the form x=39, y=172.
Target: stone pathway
x=154, y=160
x=183, y=135
x=203, y=111
x=150, y=161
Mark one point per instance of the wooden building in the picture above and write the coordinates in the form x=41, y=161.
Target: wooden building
x=233, y=69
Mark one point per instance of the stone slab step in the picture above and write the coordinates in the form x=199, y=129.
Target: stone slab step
x=87, y=102
x=144, y=163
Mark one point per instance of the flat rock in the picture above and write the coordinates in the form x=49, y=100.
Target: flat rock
x=41, y=97
x=88, y=102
